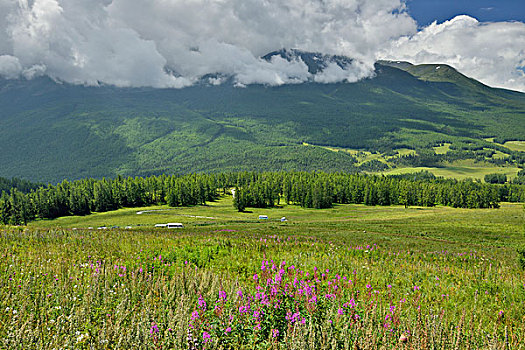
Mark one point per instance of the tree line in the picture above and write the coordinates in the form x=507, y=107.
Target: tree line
x=83, y=197
x=22, y=185
x=322, y=190
x=252, y=189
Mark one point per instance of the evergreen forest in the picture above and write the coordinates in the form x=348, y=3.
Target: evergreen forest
x=250, y=189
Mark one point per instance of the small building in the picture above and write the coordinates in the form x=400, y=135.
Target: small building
x=175, y=225
x=160, y=225
x=283, y=219
x=263, y=217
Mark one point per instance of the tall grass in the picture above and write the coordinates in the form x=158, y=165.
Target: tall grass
x=233, y=290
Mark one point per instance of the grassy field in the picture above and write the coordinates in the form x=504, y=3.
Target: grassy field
x=348, y=277
x=460, y=170
x=363, y=156
x=515, y=145
x=457, y=226
x=442, y=149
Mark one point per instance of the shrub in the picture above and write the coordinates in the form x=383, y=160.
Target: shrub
x=521, y=257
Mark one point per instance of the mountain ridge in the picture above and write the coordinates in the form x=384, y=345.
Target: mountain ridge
x=51, y=130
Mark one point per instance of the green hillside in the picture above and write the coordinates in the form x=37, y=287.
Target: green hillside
x=50, y=131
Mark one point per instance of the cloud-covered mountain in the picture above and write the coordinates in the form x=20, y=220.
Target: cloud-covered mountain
x=132, y=43
x=493, y=53
x=50, y=131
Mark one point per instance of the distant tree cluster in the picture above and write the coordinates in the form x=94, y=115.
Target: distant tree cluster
x=495, y=178
x=86, y=196
x=24, y=186
x=520, y=178
x=252, y=189
x=322, y=190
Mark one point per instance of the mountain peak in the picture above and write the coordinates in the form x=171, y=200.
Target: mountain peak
x=315, y=61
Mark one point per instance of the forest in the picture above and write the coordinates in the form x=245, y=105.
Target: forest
x=252, y=189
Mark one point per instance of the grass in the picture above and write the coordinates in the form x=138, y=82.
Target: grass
x=439, y=224
x=515, y=145
x=499, y=155
x=347, y=277
x=363, y=156
x=443, y=149
x=460, y=170
x=511, y=145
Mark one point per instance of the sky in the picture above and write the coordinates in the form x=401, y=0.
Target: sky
x=174, y=43
x=427, y=11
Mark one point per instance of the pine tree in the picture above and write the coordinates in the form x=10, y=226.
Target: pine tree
x=239, y=200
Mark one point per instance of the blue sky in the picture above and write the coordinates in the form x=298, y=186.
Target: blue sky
x=427, y=11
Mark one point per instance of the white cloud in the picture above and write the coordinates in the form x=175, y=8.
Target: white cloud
x=174, y=42
x=10, y=67
x=333, y=73
x=78, y=42
x=493, y=53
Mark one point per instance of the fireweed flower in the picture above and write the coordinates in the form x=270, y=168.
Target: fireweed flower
x=202, y=303
x=392, y=309
x=194, y=315
x=244, y=309
x=350, y=304
x=206, y=337
x=275, y=333
x=154, y=329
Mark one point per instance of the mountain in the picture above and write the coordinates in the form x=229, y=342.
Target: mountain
x=51, y=130
x=315, y=61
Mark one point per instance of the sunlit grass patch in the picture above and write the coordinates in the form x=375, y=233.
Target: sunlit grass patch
x=443, y=149
x=460, y=170
x=515, y=145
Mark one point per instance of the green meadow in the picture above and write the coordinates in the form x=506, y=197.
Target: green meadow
x=460, y=170
x=515, y=145
x=503, y=227
x=348, y=277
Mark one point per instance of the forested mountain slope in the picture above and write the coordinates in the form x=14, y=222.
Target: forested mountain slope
x=50, y=131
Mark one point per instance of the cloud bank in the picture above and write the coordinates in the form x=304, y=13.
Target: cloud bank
x=493, y=53
x=174, y=43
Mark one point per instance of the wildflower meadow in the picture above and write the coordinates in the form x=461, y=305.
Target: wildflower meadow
x=312, y=284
